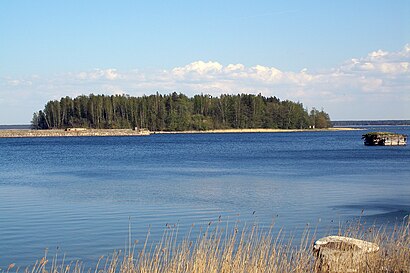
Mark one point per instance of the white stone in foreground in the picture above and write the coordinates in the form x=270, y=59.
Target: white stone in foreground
x=337, y=254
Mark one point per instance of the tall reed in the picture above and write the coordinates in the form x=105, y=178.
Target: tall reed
x=234, y=250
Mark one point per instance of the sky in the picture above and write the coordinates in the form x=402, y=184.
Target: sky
x=350, y=58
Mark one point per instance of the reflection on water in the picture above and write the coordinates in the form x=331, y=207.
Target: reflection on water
x=80, y=194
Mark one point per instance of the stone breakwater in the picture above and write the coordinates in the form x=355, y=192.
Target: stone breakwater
x=63, y=133
x=144, y=132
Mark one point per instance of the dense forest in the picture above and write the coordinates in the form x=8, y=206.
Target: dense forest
x=177, y=112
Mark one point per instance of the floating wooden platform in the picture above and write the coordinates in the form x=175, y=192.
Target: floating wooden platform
x=384, y=139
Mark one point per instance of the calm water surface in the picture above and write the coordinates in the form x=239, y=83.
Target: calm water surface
x=80, y=194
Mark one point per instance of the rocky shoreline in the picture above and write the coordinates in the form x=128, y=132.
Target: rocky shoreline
x=72, y=133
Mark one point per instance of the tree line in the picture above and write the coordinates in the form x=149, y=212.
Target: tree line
x=177, y=112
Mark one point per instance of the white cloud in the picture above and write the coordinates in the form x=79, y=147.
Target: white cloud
x=17, y=82
x=97, y=74
x=234, y=68
x=380, y=78
x=382, y=62
x=200, y=68
x=378, y=54
x=263, y=73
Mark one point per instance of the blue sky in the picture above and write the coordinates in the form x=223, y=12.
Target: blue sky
x=350, y=57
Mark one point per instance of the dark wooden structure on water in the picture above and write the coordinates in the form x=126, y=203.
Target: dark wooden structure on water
x=384, y=139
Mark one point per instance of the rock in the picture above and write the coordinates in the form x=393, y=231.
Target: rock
x=337, y=254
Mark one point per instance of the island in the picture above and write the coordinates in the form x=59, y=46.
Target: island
x=178, y=112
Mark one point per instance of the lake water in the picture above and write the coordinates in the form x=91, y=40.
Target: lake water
x=80, y=194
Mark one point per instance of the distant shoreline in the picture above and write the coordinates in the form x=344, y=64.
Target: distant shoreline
x=20, y=133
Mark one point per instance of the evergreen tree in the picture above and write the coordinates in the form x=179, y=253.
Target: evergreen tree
x=177, y=112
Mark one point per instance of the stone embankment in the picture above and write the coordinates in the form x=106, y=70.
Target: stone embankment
x=72, y=133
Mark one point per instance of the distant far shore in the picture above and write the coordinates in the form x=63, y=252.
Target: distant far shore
x=129, y=132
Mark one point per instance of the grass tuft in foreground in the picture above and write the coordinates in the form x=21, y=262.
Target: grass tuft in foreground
x=252, y=249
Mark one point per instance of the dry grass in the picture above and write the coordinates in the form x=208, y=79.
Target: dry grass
x=233, y=250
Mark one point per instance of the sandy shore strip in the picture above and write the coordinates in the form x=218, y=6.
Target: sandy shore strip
x=222, y=131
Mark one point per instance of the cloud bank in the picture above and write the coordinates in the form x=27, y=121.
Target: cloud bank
x=375, y=86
